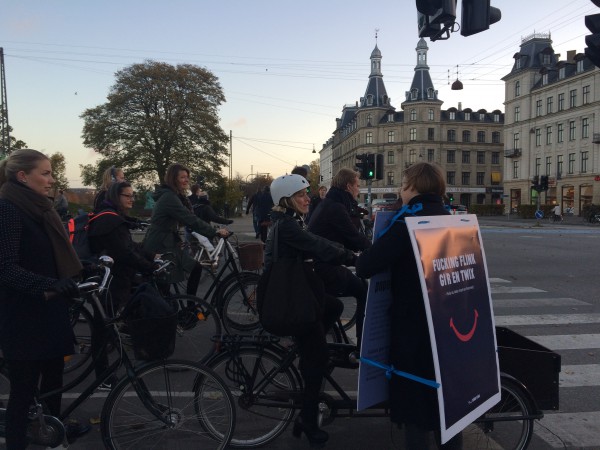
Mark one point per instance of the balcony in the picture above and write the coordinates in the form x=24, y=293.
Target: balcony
x=596, y=139
x=512, y=153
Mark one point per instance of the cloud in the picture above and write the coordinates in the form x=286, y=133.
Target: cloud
x=241, y=122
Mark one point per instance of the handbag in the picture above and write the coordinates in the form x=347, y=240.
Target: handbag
x=289, y=295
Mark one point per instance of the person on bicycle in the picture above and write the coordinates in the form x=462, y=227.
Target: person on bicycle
x=557, y=213
x=413, y=405
x=203, y=209
x=315, y=200
x=110, y=176
x=333, y=220
x=291, y=199
x=37, y=266
x=172, y=209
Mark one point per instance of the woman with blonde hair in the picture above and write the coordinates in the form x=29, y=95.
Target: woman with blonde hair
x=110, y=176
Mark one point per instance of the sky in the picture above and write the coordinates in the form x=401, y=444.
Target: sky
x=286, y=68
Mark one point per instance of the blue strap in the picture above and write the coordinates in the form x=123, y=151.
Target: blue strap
x=389, y=370
x=404, y=210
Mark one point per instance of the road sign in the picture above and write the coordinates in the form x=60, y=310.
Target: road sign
x=539, y=214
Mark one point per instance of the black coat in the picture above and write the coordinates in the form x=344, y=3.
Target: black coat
x=31, y=327
x=410, y=347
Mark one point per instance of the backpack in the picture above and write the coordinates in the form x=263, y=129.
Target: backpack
x=78, y=228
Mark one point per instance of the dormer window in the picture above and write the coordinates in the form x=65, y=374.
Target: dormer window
x=414, y=93
x=518, y=63
x=496, y=117
x=369, y=100
x=482, y=117
x=429, y=92
x=580, y=65
x=545, y=59
x=561, y=73
x=545, y=79
x=467, y=116
x=452, y=115
x=390, y=117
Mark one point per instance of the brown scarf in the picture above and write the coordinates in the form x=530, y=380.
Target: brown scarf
x=39, y=208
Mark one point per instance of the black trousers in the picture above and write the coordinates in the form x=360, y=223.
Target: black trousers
x=25, y=377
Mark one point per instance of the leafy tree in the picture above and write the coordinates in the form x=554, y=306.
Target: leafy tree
x=14, y=143
x=314, y=175
x=157, y=114
x=59, y=167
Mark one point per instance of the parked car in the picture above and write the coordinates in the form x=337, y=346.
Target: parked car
x=458, y=209
x=383, y=204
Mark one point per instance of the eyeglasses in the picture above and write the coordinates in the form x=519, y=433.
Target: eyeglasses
x=128, y=195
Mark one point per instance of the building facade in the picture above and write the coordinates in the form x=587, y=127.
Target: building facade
x=467, y=144
x=552, y=126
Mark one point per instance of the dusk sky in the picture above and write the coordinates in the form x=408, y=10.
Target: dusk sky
x=286, y=68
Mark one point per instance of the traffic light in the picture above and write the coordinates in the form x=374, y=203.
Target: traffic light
x=477, y=16
x=435, y=17
x=361, y=166
x=535, y=183
x=370, y=166
x=592, y=51
x=379, y=166
x=544, y=183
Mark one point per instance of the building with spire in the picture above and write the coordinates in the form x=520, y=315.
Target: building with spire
x=552, y=126
x=467, y=144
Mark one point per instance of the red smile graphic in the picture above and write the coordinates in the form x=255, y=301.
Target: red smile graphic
x=465, y=337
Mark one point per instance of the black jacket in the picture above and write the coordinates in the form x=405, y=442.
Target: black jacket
x=31, y=327
x=332, y=219
x=410, y=349
x=202, y=208
x=295, y=241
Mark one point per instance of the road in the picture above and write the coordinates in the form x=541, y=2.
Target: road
x=544, y=286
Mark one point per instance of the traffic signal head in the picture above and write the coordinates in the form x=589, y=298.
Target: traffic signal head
x=544, y=182
x=370, y=166
x=535, y=180
x=477, y=16
x=592, y=51
x=435, y=17
x=451, y=197
x=379, y=166
x=361, y=166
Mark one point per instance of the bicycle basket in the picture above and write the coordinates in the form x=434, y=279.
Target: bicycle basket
x=153, y=338
x=251, y=255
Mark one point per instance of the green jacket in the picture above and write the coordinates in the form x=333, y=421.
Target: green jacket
x=162, y=236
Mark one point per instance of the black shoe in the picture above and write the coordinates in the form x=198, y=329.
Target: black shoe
x=74, y=429
x=316, y=437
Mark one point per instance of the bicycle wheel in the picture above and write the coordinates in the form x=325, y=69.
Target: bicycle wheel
x=81, y=321
x=169, y=404
x=348, y=316
x=198, y=323
x=262, y=393
x=4, y=386
x=238, y=305
x=503, y=426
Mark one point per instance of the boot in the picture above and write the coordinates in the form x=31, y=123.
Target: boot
x=307, y=421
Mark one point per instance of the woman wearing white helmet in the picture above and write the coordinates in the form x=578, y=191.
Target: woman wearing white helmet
x=291, y=200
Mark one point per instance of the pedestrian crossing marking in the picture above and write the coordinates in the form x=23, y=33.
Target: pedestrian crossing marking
x=579, y=375
x=528, y=302
x=547, y=319
x=577, y=430
x=514, y=289
x=568, y=341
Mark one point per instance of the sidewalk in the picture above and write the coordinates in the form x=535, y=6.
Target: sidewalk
x=516, y=221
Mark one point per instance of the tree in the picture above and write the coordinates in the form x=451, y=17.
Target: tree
x=14, y=144
x=158, y=114
x=59, y=167
x=315, y=176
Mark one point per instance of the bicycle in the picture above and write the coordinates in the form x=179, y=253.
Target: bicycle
x=169, y=403
x=261, y=374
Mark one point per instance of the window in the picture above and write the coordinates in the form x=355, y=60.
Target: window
x=413, y=114
x=368, y=120
x=466, y=157
x=585, y=95
x=467, y=116
x=430, y=114
x=515, y=169
x=545, y=78
x=481, y=136
x=480, y=157
x=561, y=102
x=480, y=178
x=559, y=165
x=452, y=115
x=584, y=161
x=538, y=137
x=517, y=113
x=413, y=94
x=496, y=178
x=390, y=178
x=561, y=73
x=549, y=105
x=430, y=134
x=495, y=157
x=571, y=168
x=545, y=59
x=412, y=156
x=548, y=135
x=466, y=178
x=516, y=141
x=370, y=100
x=517, y=88
x=369, y=137
x=451, y=177
x=451, y=156
x=390, y=158
x=430, y=154
x=573, y=98
x=572, y=130
x=451, y=135
x=430, y=92
x=559, y=132
x=538, y=164
x=538, y=108
x=580, y=65
x=413, y=134
x=585, y=128
x=548, y=165
x=390, y=117
x=518, y=62
x=495, y=137
x=466, y=137
x=482, y=117
x=391, y=136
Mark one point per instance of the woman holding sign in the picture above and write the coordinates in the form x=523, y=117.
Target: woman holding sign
x=412, y=404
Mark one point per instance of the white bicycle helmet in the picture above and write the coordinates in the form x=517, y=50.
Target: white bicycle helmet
x=286, y=186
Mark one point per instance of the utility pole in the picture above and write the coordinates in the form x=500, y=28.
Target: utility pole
x=230, y=155
x=4, y=129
